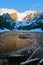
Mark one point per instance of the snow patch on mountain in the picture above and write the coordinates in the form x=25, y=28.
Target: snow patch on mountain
x=4, y=30
x=24, y=14
x=6, y=10
x=36, y=30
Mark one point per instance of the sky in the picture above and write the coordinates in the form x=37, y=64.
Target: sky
x=22, y=5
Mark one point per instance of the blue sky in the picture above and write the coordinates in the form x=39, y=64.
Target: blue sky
x=22, y=5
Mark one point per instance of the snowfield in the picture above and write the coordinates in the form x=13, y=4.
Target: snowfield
x=5, y=30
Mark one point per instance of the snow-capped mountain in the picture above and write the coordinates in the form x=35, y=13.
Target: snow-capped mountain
x=13, y=20
x=19, y=16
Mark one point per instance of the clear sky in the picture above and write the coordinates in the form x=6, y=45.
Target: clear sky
x=22, y=5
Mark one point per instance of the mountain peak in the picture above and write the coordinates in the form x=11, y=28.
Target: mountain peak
x=19, y=16
x=6, y=10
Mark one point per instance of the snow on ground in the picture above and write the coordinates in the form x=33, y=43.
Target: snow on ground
x=36, y=30
x=5, y=30
x=33, y=30
x=21, y=24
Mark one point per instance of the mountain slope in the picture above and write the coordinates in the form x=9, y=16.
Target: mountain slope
x=6, y=22
x=36, y=22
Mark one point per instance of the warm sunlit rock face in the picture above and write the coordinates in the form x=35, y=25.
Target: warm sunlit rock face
x=29, y=17
x=14, y=16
